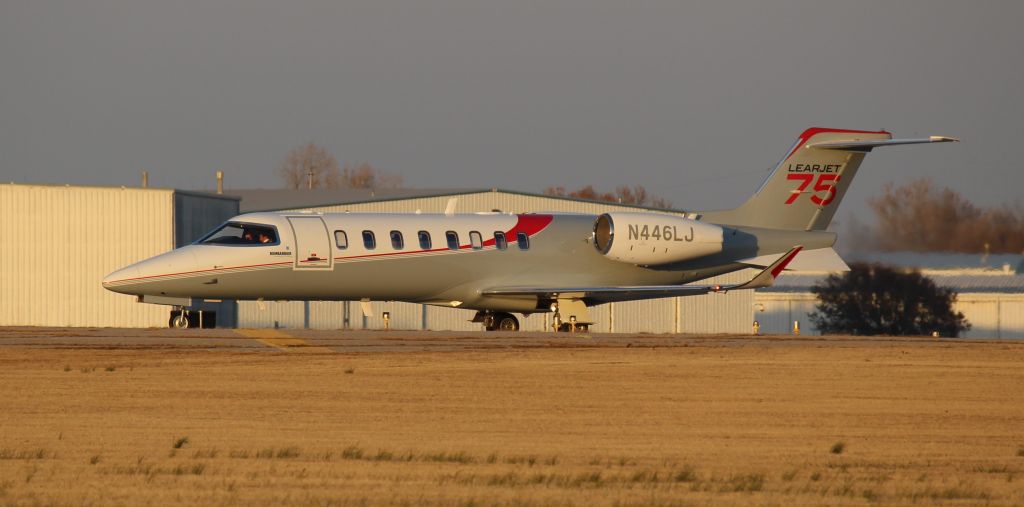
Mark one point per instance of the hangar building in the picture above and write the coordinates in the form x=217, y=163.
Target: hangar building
x=713, y=313
x=58, y=241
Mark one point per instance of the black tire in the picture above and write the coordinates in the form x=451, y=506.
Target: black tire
x=506, y=322
x=179, y=321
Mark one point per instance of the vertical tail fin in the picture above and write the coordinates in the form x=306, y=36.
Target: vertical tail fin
x=804, y=190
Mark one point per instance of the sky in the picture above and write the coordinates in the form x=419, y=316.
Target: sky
x=693, y=100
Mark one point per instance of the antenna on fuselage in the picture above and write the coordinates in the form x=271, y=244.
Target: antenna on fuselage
x=449, y=209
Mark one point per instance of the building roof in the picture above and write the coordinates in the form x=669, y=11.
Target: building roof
x=196, y=193
x=958, y=281
x=264, y=199
x=941, y=260
x=284, y=199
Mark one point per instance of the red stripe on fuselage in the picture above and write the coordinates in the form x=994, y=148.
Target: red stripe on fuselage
x=529, y=224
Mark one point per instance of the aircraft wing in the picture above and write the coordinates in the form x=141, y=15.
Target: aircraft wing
x=598, y=295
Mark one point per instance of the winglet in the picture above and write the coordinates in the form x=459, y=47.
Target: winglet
x=767, y=277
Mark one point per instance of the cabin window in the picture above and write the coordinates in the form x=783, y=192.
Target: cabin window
x=523, y=240
x=369, y=240
x=499, y=240
x=476, y=240
x=238, y=234
x=396, y=240
x=424, y=240
x=341, y=240
x=453, y=240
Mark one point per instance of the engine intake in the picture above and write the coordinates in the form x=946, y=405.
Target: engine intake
x=650, y=239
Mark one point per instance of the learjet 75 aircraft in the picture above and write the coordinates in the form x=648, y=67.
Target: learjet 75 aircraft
x=500, y=264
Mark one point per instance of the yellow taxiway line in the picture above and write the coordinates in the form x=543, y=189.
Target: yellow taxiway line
x=281, y=341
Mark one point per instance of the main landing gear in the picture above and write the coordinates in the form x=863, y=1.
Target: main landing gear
x=497, y=321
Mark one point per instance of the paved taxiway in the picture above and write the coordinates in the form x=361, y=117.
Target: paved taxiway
x=321, y=341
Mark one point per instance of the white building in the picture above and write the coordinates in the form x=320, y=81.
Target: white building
x=57, y=242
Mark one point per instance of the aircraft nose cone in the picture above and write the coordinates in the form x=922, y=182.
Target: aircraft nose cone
x=118, y=280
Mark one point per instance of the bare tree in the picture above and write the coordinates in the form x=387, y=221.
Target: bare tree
x=364, y=175
x=309, y=167
x=636, y=195
x=920, y=217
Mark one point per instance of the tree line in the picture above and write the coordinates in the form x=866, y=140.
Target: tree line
x=311, y=167
x=923, y=217
x=636, y=195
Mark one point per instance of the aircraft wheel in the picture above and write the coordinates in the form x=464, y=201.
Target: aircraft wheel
x=506, y=322
x=179, y=321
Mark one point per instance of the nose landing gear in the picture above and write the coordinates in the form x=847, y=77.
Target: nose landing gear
x=179, y=319
x=200, y=319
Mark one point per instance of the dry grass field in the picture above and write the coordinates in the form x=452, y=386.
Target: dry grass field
x=750, y=422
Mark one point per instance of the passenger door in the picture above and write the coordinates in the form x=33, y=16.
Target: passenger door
x=312, y=243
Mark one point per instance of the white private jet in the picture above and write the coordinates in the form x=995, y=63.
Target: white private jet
x=501, y=264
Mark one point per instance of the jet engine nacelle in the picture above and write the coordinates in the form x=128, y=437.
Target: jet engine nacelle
x=650, y=238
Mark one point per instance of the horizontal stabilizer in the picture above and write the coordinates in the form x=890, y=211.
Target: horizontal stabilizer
x=875, y=143
x=819, y=259
x=599, y=295
x=806, y=187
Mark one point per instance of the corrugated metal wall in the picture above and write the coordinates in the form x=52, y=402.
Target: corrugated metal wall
x=717, y=313
x=197, y=214
x=58, y=242
x=991, y=315
x=776, y=312
x=1011, y=316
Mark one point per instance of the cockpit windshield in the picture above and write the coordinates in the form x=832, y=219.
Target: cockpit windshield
x=233, y=233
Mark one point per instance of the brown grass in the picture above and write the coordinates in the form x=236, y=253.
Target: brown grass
x=749, y=423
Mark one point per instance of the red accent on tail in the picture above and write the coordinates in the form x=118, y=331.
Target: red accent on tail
x=785, y=262
x=811, y=132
